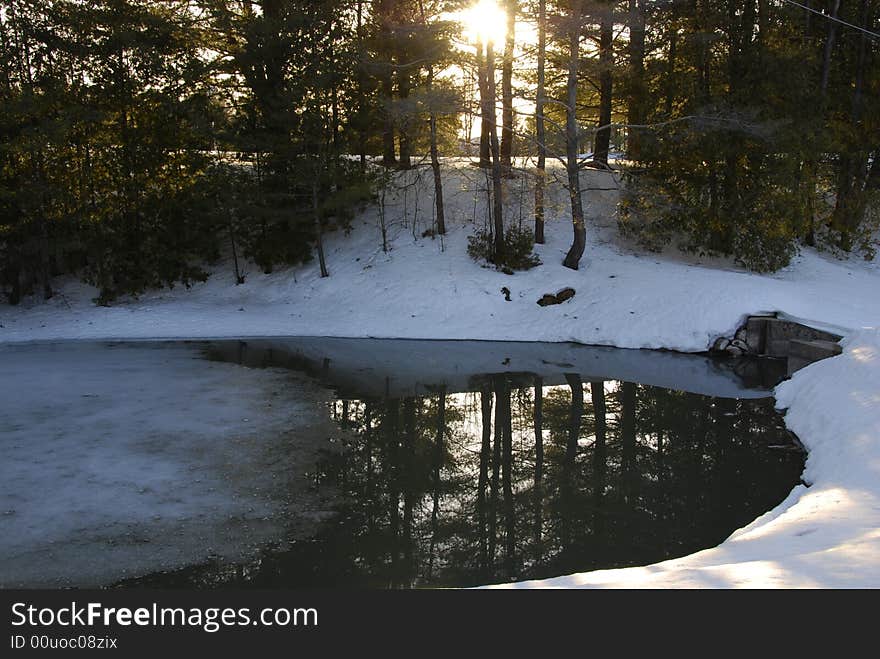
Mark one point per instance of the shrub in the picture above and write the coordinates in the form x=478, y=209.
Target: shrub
x=518, y=245
x=718, y=193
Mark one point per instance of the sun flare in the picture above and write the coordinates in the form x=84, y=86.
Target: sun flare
x=485, y=22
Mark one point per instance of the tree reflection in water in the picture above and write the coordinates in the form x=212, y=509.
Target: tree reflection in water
x=515, y=480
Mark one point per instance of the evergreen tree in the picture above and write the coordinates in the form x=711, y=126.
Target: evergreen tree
x=759, y=113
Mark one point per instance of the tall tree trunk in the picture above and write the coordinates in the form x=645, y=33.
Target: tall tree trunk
x=483, y=84
x=45, y=265
x=386, y=89
x=230, y=226
x=384, y=11
x=572, y=166
x=507, y=136
x=702, y=35
x=361, y=91
x=403, y=84
x=810, y=165
x=435, y=157
x=497, y=190
x=606, y=66
x=852, y=168
x=438, y=179
x=319, y=229
x=872, y=183
x=829, y=48
x=670, y=71
x=334, y=119
x=741, y=26
x=540, y=180
x=636, y=110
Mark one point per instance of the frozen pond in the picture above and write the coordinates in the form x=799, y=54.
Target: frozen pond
x=338, y=462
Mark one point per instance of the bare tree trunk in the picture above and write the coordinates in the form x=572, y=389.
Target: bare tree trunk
x=853, y=167
x=334, y=118
x=606, y=65
x=403, y=85
x=230, y=226
x=45, y=265
x=438, y=180
x=435, y=158
x=540, y=180
x=872, y=183
x=704, y=52
x=670, y=72
x=361, y=84
x=497, y=192
x=483, y=83
x=507, y=89
x=810, y=165
x=579, y=243
x=386, y=88
x=829, y=48
x=636, y=111
x=319, y=229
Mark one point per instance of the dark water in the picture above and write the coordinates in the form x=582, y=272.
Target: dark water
x=466, y=463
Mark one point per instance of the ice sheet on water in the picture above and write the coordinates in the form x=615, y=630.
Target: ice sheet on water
x=153, y=457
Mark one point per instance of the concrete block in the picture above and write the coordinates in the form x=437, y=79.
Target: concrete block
x=777, y=329
x=777, y=348
x=813, y=350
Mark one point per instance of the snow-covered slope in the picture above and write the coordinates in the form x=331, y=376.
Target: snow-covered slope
x=430, y=288
x=824, y=535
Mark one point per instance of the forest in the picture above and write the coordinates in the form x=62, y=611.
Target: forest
x=143, y=142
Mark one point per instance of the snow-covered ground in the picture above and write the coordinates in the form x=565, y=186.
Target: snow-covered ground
x=824, y=535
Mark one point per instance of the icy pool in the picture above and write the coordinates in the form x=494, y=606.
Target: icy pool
x=351, y=463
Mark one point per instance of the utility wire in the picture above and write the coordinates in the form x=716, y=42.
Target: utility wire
x=832, y=18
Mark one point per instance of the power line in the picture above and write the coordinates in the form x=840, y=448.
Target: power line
x=832, y=18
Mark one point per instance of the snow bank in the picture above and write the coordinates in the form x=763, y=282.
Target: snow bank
x=825, y=535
